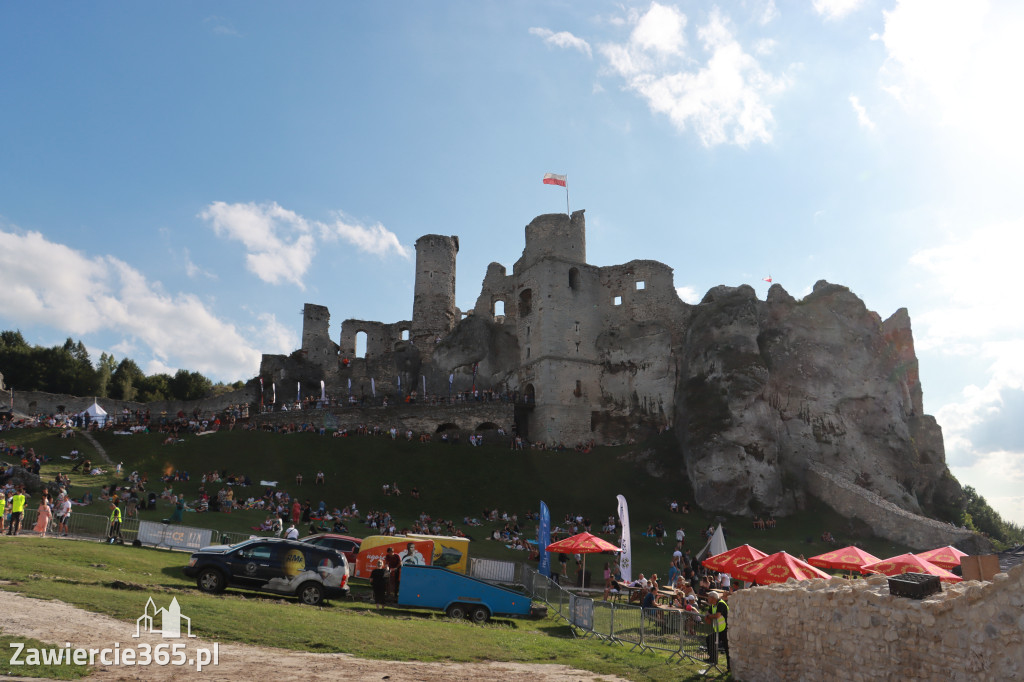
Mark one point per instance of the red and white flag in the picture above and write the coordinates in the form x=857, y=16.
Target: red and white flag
x=767, y=279
x=552, y=179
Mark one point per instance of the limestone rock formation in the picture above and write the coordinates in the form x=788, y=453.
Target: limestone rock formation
x=758, y=392
x=768, y=386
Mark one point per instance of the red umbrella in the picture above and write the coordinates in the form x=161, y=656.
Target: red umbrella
x=845, y=559
x=778, y=568
x=908, y=563
x=582, y=543
x=944, y=557
x=734, y=558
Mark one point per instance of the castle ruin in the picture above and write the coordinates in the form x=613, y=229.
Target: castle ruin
x=760, y=394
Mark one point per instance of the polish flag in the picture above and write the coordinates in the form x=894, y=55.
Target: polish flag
x=552, y=179
x=767, y=279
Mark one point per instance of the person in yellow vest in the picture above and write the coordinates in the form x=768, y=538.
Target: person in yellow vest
x=17, y=511
x=115, y=524
x=718, y=619
x=3, y=507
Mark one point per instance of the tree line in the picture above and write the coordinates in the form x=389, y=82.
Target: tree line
x=69, y=369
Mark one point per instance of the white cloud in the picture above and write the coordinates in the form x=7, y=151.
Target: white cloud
x=220, y=26
x=1001, y=476
x=660, y=30
x=193, y=270
x=52, y=285
x=280, y=244
x=689, y=295
x=975, y=282
x=562, y=39
x=862, y=114
x=955, y=64
x=724, y=99
x=836, y=9
x=768, y=12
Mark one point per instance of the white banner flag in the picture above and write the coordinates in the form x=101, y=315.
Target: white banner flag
x=626, y=556
x=373, y=387
x=323, y=393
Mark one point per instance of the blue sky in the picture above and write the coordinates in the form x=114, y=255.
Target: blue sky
x=178, y=179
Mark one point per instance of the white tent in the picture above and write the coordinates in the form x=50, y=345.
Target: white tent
x=716, y=545
x=96, y=413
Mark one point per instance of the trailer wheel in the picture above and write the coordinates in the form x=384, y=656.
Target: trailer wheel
x=456, y=611
x=480, y=614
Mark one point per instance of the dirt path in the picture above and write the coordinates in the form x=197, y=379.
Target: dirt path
x=56, y=622
x=99, y=448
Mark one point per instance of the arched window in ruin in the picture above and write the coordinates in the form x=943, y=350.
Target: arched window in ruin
x=529, y=395
x=499, y=308
x=447, y=426
x=405, y=335
x=525, y=302
x=361, y=344
x=574, y=279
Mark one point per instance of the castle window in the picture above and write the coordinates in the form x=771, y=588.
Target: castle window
x=499, y=308
x=361, y=344
x=617, y=300
x=527, y=331
x=525, y=302
x=577, y=327
x=577, y=346
x=574, y=278
x=405, y=335
x=641, y=285
x=579, y=388
x=527, y=351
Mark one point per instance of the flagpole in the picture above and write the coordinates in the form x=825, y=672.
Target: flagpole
x=567, y=212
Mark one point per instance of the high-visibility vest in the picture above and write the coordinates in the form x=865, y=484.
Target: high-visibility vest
x=115, y=515
x=17, y=504
x=721, y=608
x=3, y=503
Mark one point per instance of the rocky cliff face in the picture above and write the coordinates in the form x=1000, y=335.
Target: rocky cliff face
x=767, y=386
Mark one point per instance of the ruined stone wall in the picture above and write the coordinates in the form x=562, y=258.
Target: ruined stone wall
x=554, y=235
x=855, y=630
x=497, y=286
x=885, y=518
x=419, y=418
x=381, y=338
x=433, y=309
x=39, y=402
x=316, y=335
x=644, y=290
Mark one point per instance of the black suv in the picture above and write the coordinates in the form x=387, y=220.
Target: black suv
x=274, y=565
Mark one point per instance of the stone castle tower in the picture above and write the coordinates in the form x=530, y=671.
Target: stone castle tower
x=433, y=309
x=316, y=334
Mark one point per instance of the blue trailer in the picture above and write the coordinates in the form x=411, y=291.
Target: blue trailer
x=434, y=587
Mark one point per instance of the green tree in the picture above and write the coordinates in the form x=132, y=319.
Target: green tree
x=186, y=385
x=104, y=373
x=125, y=379
x=154, y=387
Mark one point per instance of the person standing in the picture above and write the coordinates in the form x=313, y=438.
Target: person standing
x=63, y=514
x=379, y=582
x=394, y=564
x=3, y=510
x=17, y=511
x=43, y=517
x=718, y=619
x=115, y=524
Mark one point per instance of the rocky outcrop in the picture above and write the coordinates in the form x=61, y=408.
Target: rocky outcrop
x=768, y=387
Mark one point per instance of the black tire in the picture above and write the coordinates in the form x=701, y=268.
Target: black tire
x=479, y=614
x=456, y=611
x=211, y=581
x=310, y=593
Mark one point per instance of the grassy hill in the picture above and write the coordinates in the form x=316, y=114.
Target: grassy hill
x=455, y=481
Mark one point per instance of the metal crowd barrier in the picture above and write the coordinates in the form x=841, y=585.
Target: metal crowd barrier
x=84, y=525
x=681, y=634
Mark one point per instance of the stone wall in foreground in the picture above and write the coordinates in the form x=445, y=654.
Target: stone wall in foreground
x=888, y=520
x=854, y=630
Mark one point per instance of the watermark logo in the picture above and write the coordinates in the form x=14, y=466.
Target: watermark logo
x=170, y=621
x=167, y=622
